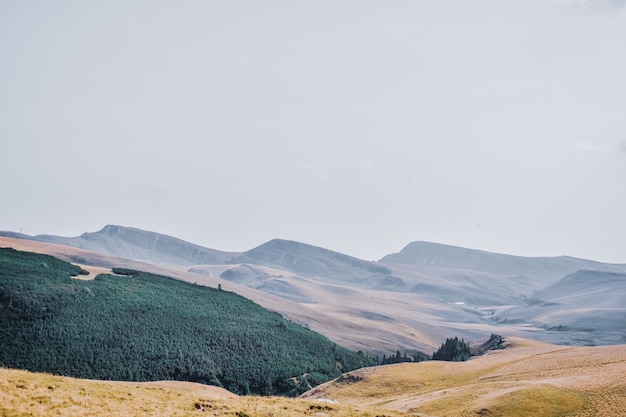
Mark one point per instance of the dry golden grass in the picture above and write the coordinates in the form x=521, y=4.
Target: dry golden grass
x=527, y=379
x=32, y=394
x=93, y=272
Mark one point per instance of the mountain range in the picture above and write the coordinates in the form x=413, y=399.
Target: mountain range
x=409, y=300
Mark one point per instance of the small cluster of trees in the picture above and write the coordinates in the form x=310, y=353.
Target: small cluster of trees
x=453, y=350
x=402, y=357
x=397, y=358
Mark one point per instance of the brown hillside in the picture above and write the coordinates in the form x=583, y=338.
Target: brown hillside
x=41, y=395
x=527, y=379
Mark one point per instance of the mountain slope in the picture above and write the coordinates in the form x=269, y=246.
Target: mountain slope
x=445, y=256
x=312, y=261
x=526, y=379
x=131, y=243
x=147, y=327
x=588, y=288
x=586, y=307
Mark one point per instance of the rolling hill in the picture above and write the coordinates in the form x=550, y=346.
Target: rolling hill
x=142, y=327
x=427, y=254
x=314, y=262
x=137, y=244
x=584, y=307
x=525, y=379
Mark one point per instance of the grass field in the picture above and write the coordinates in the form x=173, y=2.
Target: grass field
x=526, y=379
x=25, y=393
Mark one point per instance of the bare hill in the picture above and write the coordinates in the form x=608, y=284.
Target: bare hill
x=131, y=243
x=453, y=285
x=313, y=261
x=586, y=307
x=270, y=280
x=528, y=378
x=592, y=288
x=445, y=256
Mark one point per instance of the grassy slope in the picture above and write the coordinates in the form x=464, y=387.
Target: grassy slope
x=527, y=379
x=41, y=395
x=149, y=327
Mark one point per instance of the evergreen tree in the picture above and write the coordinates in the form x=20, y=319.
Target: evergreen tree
x=453, y=350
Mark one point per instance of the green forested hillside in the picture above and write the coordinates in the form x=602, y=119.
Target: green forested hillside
x=147, y=327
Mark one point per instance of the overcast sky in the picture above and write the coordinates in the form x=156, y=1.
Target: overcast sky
x=359, y=126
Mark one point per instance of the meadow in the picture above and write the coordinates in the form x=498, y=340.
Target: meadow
x=525, y=379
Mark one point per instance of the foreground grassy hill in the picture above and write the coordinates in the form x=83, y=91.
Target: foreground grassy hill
x=144, y=327
x=526, y=379
x=25, y=393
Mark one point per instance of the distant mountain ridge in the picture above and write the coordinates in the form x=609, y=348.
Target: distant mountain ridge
x=593, y=302
x=312, y=261
x=131, y=243
x=446, y=256
x=589, y=284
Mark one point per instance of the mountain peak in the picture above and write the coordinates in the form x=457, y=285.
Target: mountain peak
x=132, y=243
x=308, y=260
x=109, y=229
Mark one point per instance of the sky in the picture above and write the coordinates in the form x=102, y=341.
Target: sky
x=358, y=126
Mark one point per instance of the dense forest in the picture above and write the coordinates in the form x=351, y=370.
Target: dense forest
x=142, y=327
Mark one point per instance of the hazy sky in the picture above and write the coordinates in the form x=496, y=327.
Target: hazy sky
x=359, y=126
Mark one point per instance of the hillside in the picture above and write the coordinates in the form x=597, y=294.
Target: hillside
x=586, y=307
x=445, y=256
x=526, y=379
x=25, y=393
x=593, y=288
x=145, y=327
x=131, y=243
x=312, y=261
